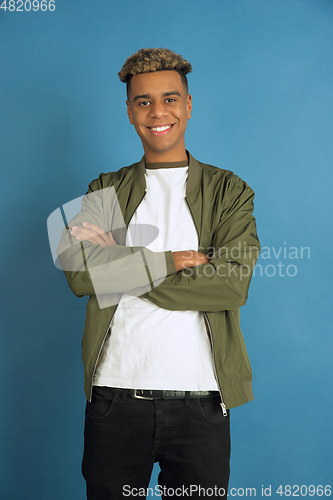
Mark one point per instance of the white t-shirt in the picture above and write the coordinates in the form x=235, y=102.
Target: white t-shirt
x=150, y=347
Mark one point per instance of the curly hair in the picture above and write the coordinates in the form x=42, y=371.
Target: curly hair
x=151, y=60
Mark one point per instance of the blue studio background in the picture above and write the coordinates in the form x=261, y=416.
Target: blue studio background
x=262, y=107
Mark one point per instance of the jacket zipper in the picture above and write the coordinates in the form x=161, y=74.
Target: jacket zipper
x=99, y=354
x=108, y=328
x=224, y=409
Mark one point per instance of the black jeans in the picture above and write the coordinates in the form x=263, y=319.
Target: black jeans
x=190, y=438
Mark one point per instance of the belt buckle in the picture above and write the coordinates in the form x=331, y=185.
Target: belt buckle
x=136, y=396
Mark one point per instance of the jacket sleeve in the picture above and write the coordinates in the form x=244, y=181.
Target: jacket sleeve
x=223, y=283
x=107, y=272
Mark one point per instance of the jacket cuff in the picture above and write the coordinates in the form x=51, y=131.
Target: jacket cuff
x=171, y=266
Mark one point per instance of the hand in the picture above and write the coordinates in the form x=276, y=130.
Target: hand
x=189, y=258
x=94, y=234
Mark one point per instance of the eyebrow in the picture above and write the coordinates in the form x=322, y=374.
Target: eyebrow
x=148, y=96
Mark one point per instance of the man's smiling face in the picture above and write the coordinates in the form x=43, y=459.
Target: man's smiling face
x=159, y=106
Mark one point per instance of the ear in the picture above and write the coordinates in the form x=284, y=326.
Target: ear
x=129, y=112
x=189, y=105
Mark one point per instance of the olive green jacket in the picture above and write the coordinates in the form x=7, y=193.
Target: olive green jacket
x=221, y=206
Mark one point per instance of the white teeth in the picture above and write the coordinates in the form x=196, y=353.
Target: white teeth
x=160, y=129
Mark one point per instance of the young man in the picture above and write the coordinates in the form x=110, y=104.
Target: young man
x=163, y=351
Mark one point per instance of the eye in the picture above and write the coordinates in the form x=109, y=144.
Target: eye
x=143, y=103
x=170, y=99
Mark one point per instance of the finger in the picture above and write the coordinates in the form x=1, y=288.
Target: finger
x=111, y=238
x=85, y=234
x=82, y=232
x=90, y=239
x=93, y=227
x=99, y=231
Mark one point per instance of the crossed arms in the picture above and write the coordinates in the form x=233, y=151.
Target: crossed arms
x=95, y=235
x=97, y=261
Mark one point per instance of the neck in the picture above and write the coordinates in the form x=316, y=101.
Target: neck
x=167, y=156
x=166, y=164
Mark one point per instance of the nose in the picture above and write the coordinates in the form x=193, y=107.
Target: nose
x=158, y=110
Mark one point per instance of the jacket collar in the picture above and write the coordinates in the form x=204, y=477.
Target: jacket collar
x=192, y=179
